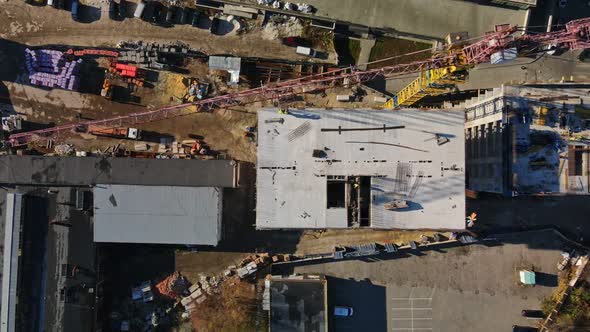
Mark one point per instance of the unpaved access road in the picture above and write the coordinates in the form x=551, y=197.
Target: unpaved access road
x=33, y=25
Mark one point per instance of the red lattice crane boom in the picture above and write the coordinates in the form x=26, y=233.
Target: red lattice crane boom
x=576, y=35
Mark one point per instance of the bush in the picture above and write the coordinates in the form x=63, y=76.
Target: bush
x=577, y=305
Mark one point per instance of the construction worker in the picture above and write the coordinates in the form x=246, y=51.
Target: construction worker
x=283, y=111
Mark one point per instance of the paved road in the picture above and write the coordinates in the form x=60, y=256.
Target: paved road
x=365, y=298
x=465, y=288
x=431, y=18
x=499, y=214
x=544, y=69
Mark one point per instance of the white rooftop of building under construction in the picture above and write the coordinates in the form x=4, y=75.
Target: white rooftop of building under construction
x=342, y=168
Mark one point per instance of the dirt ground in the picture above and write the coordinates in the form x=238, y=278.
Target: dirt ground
x=321, y=242
x=45, y=25
x=192, y=264
x=235, y=308
x=222, y=130
x=210, y=263
x=391, y=47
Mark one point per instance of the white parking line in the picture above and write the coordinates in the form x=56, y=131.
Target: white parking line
x=411, y=307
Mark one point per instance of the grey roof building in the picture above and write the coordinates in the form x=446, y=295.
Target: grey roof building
x=83, y=171
x=230, y=64
x=12, y=247
x=157, y=214
x=361, y=168
x=50, y=277
x=298, y=303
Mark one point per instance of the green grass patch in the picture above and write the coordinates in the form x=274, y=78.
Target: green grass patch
x=386, y=47
x=577, y=305
x=354, y=48
x=319, y=38
x=575, y=312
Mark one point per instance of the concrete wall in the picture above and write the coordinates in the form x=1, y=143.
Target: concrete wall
x=485, y=158
x=577, y=184
x=486, y=140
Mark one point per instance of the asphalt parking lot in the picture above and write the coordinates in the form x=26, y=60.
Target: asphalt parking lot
x=410, y=309
x=448, y=289
x=430, y=18
x=365, y=298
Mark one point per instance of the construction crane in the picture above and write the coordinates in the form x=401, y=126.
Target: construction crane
x=431, y=82
x=576, y=35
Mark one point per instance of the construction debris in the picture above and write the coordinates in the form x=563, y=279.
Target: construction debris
x=278, y=4
x=64, y=149
x=230, y=64
x=279, y=26
x=143, y=292
x=11, y=123
x=396, y=204
x=174, y=286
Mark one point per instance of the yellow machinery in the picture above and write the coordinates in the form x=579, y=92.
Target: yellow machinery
x=389, y=104
x=437, y=81
x=430, y=83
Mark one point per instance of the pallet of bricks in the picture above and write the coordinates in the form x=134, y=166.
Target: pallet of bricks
x=50, y=68
x=129, y=73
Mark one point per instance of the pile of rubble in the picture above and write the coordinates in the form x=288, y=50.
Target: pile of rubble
x=64, y=149
x=247, y=268
x=174, y=286
x=282, y=26
x=299, y=7
x=143, y=311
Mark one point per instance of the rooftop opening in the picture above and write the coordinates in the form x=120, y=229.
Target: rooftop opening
x=336, y=194
x=365, y=201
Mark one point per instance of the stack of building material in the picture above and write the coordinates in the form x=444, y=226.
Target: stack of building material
x=50, y=68
x=126, y=70
x=174, y=286
x=197, y=296
x=143, y=292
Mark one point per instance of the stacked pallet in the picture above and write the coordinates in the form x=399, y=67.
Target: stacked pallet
x=126, y=70
x=51, y=69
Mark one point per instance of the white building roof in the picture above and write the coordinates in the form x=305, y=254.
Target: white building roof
x=157, y=214
x=403, y=163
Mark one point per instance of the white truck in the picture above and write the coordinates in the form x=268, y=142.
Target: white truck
x=310, y=52
x=139, y=9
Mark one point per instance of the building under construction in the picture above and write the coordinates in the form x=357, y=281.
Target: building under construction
x=529, y=139
x=346, y=169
